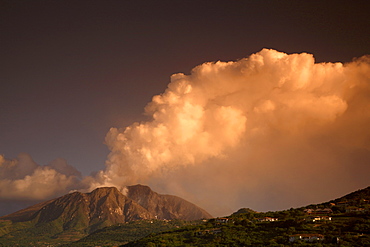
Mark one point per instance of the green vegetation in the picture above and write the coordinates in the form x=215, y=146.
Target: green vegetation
x=341, y=222
x=44, y=234
x=52, y=233
x=123, y=233
x=247, y=229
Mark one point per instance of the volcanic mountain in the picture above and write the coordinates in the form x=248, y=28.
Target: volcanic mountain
x=86, y=212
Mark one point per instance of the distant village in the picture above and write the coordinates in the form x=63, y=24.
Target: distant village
x=318, y=215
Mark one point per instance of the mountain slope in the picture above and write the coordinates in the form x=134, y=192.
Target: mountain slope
x=72, y=216
x=165, y=206
x=90, y=211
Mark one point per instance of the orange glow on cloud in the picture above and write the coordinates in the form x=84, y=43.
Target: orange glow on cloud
x=265, y=132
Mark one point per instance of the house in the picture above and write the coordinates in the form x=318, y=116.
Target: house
x=221, y=220
x=267, y=219
x=318, y=211
x=309, y=210
x=323, y=211
x=318, y=218
x=343, y=204
x=306, y=237
x=354, y=209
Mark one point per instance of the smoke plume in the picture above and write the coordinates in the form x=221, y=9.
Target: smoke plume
x=270, y=131
x=269, y=126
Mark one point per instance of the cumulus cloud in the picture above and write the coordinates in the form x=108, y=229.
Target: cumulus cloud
x=22, y=179
x=269, y=122
x=270, y=131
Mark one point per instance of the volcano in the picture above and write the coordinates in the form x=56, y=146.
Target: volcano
x=87, y=212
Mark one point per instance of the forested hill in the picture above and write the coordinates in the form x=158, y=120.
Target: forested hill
x=344, y=221
x=360, y=197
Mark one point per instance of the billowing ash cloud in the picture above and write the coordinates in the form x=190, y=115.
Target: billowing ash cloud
x=270, y=131
x=273, y=128
x=23, y=179
x=190, y=124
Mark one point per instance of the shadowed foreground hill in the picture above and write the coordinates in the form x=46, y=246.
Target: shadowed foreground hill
x=74, y=215
x=341, y=222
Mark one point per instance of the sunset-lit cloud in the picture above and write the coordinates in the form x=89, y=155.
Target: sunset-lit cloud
x=269, y=131
x=23, y=179
x=251, y=125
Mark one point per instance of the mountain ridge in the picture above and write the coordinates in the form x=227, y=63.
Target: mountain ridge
x=138, y=196
x=348, y=220
x=77, y=214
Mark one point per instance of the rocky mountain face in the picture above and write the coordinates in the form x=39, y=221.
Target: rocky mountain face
x=165, y=206
x=106, y=206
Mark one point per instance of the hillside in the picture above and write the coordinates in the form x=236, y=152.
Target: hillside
x=72, y=216
x=344, y=221
x=123, y=233
x=165, y=206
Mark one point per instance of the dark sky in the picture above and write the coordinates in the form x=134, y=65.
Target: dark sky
x=70, y=70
